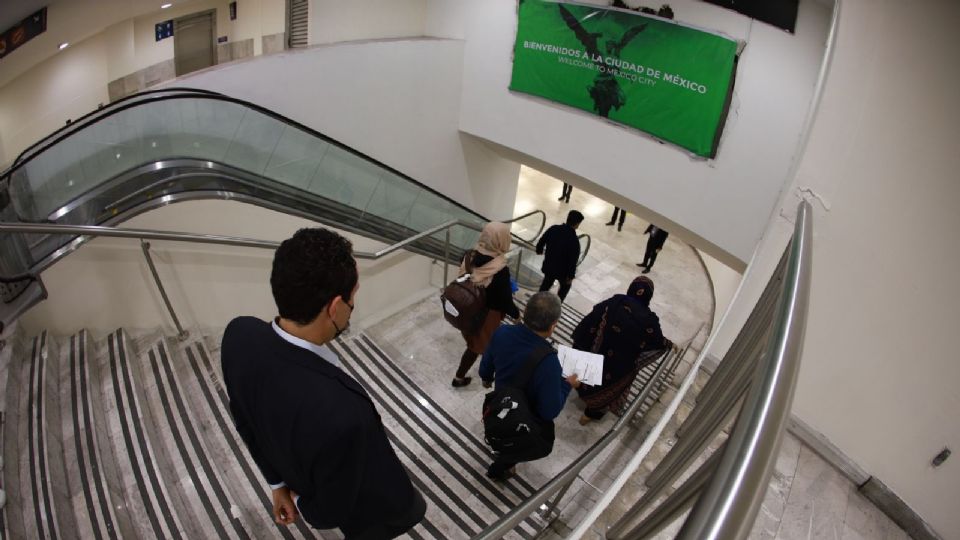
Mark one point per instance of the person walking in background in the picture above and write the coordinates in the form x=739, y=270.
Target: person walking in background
x=654, y=244
x=613, y=219
x=562, y=253
x=628, y=335
x=310, y=427
x=504, y=360
x=487, y=265
x=565, y=195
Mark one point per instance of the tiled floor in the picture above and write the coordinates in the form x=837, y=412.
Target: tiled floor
x=807, y=497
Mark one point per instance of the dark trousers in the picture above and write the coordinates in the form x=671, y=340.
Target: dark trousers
x=613, y=218
x=650, y=255
x=391, y=528
x=466, y=362
x=502, y=463
x=547, y=284
x=567, y=190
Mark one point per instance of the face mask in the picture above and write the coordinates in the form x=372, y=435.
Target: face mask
x=340, y=331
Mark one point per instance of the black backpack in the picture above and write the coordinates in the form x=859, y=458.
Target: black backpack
x=510, y=426
x=464, y=302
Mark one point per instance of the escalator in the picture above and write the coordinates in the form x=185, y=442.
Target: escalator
x=157, y=148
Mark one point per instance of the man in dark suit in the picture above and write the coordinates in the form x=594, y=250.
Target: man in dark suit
x=562, y=253
x=311, y=428
x=655, y=243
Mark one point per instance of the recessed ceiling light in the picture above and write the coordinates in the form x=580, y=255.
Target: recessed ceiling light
x=165, y=6
x=64, y=45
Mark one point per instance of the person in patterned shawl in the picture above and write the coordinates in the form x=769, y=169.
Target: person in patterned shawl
x=627, y=333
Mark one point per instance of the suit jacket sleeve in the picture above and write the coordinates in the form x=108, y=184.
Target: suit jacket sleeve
x=543, y=240
x=272, y=476
x=338, y=471
x=576, y=256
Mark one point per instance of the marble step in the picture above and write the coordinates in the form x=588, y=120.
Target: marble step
x=569, y=319
x=209, y=507
x=10, y=357
x=41, y=493
x=92, y=477
x=446, y=461
x=153, y=498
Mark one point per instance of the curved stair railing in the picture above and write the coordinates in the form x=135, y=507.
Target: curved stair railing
x=759, y=373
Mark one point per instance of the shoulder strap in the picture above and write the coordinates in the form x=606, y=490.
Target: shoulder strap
x=522, y=377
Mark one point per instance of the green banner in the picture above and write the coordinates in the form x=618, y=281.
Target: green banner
x=668, y=80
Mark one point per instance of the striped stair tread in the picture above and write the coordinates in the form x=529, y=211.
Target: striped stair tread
x=446, y=461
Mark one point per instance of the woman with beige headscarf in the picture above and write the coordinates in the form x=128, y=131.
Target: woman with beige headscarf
x=488, y=269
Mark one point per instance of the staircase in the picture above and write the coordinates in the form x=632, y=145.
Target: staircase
x=130, y=436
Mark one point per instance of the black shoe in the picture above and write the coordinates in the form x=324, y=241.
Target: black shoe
x=646, y=270
x=459, y=382
x=502, y=476
x=641, y=265
x=561, y=198
x=609, y=224
x=620, y=227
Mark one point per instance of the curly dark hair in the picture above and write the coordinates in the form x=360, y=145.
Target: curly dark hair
x=310, y=269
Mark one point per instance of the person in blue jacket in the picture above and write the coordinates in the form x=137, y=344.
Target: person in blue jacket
x=547, y=390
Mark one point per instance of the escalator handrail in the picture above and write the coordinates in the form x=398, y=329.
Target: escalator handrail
x=583, y=255
x=543, y=223
x=190, y=93
x=153, y=234
x=84, y=121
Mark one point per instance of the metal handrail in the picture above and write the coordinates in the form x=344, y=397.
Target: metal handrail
x=520, y=512
x=85, y=120
x=152, y=234
x=543, y=223
x=583, y=254
x=729, y=505
x=563, y=480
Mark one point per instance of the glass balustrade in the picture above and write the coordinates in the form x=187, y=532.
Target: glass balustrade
x=213, y=131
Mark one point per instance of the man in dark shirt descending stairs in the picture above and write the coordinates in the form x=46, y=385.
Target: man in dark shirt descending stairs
x=312, y=429
x=562, y=253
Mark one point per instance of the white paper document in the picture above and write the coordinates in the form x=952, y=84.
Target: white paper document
x=587, y=366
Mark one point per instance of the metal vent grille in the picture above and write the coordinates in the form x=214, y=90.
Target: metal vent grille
x=297, y=23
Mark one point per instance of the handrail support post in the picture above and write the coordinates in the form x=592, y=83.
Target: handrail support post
x=182, y=334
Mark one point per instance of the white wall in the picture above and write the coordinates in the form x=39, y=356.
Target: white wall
x=333, y=21
x=107, y=283
x=37, y=98
x=397, y=101
x=149, y=51
x=67, y=85
x=724, y=282
x=720, y=205
x=879, y=371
